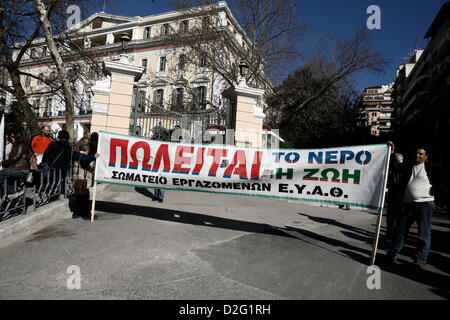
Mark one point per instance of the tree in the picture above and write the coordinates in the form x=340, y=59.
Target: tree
x=46, y=19
x=335, y=60
x=274, y=31
x=259, y=34
x=72, y=46
x=322, y=122
x=315, y=101
x=44, y=10
x=18, y=24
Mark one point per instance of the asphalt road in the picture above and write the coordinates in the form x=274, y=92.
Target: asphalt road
x=207, y=246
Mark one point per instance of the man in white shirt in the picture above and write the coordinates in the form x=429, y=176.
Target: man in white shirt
x=418, y=206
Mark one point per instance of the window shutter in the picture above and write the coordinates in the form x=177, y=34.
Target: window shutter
x=195, y=97
x=162, y=64
x=154, y=97
x=181, y=98
x=147, y=33
x=174, y=97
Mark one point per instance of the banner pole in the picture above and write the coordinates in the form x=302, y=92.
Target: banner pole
x=380, y=212
x=93, y=202
x=376, y=237
x=94, y=176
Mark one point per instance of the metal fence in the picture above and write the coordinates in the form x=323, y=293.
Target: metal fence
x=148, y=120
x=41, y=191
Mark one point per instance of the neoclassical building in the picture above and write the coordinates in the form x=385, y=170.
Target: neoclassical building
x=177, y=84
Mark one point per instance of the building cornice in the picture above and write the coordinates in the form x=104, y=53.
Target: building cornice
x=123, y=68
x=249, y=92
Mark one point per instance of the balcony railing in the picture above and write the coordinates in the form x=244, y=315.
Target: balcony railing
x=85, y=112
x=442, y=52
x=414, y=85
x=414, y=99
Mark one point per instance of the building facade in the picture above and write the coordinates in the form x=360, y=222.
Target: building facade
x=175, y=81
x=374, y=110
x=422, y=93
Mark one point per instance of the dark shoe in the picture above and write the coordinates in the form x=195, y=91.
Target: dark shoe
x=419, y=263
x=160, y=200
x=392, y=258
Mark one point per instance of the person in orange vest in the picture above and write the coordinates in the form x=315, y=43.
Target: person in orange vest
x=40, y=142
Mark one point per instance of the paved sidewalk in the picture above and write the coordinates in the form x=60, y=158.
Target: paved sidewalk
x=211, y=246
x=25, y=221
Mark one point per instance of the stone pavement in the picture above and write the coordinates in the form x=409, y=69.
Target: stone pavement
x=209, y=246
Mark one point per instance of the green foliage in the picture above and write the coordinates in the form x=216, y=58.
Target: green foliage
x=322, y=122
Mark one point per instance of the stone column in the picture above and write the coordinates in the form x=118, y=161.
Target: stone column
x=112, y=103
x=101, y=91
x=249, y=117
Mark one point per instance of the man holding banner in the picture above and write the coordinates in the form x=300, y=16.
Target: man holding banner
x=420, y=186
x=395, y=191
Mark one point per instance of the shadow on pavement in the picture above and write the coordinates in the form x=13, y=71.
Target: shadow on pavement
x=187, y=217
x=441, y=224
x=358, y=254
x=440, y=283
x=337, y=224
x=437, y=282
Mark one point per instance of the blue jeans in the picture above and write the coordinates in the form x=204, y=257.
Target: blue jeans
x=421, y=212
x=159, y=194
x=10, y=175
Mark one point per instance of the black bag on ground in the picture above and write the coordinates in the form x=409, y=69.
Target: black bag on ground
x=79, y=205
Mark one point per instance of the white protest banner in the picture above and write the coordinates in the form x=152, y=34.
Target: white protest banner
x=352, y=176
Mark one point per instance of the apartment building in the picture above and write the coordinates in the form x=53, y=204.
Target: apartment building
x=374, y=109
x=421, y=92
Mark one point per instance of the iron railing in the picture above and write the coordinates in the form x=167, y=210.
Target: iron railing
x=150, y=120
x=39, y=192
x=34, y=194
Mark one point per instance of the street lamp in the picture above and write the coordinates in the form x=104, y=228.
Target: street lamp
x=243, y=68
x=243, y=71
x=125, y=38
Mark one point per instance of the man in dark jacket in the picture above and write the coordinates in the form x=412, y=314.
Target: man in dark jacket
x=395, y=192
x=58, y=156
x=59, y=153
x=93, y=143
x=420, y=184
x=18, y=164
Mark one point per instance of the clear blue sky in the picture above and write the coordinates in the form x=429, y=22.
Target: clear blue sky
x=403, y=24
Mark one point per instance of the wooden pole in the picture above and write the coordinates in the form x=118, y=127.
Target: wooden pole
x=375, y=239
x=93, y=202
x=99, y=146
x=380, y=212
